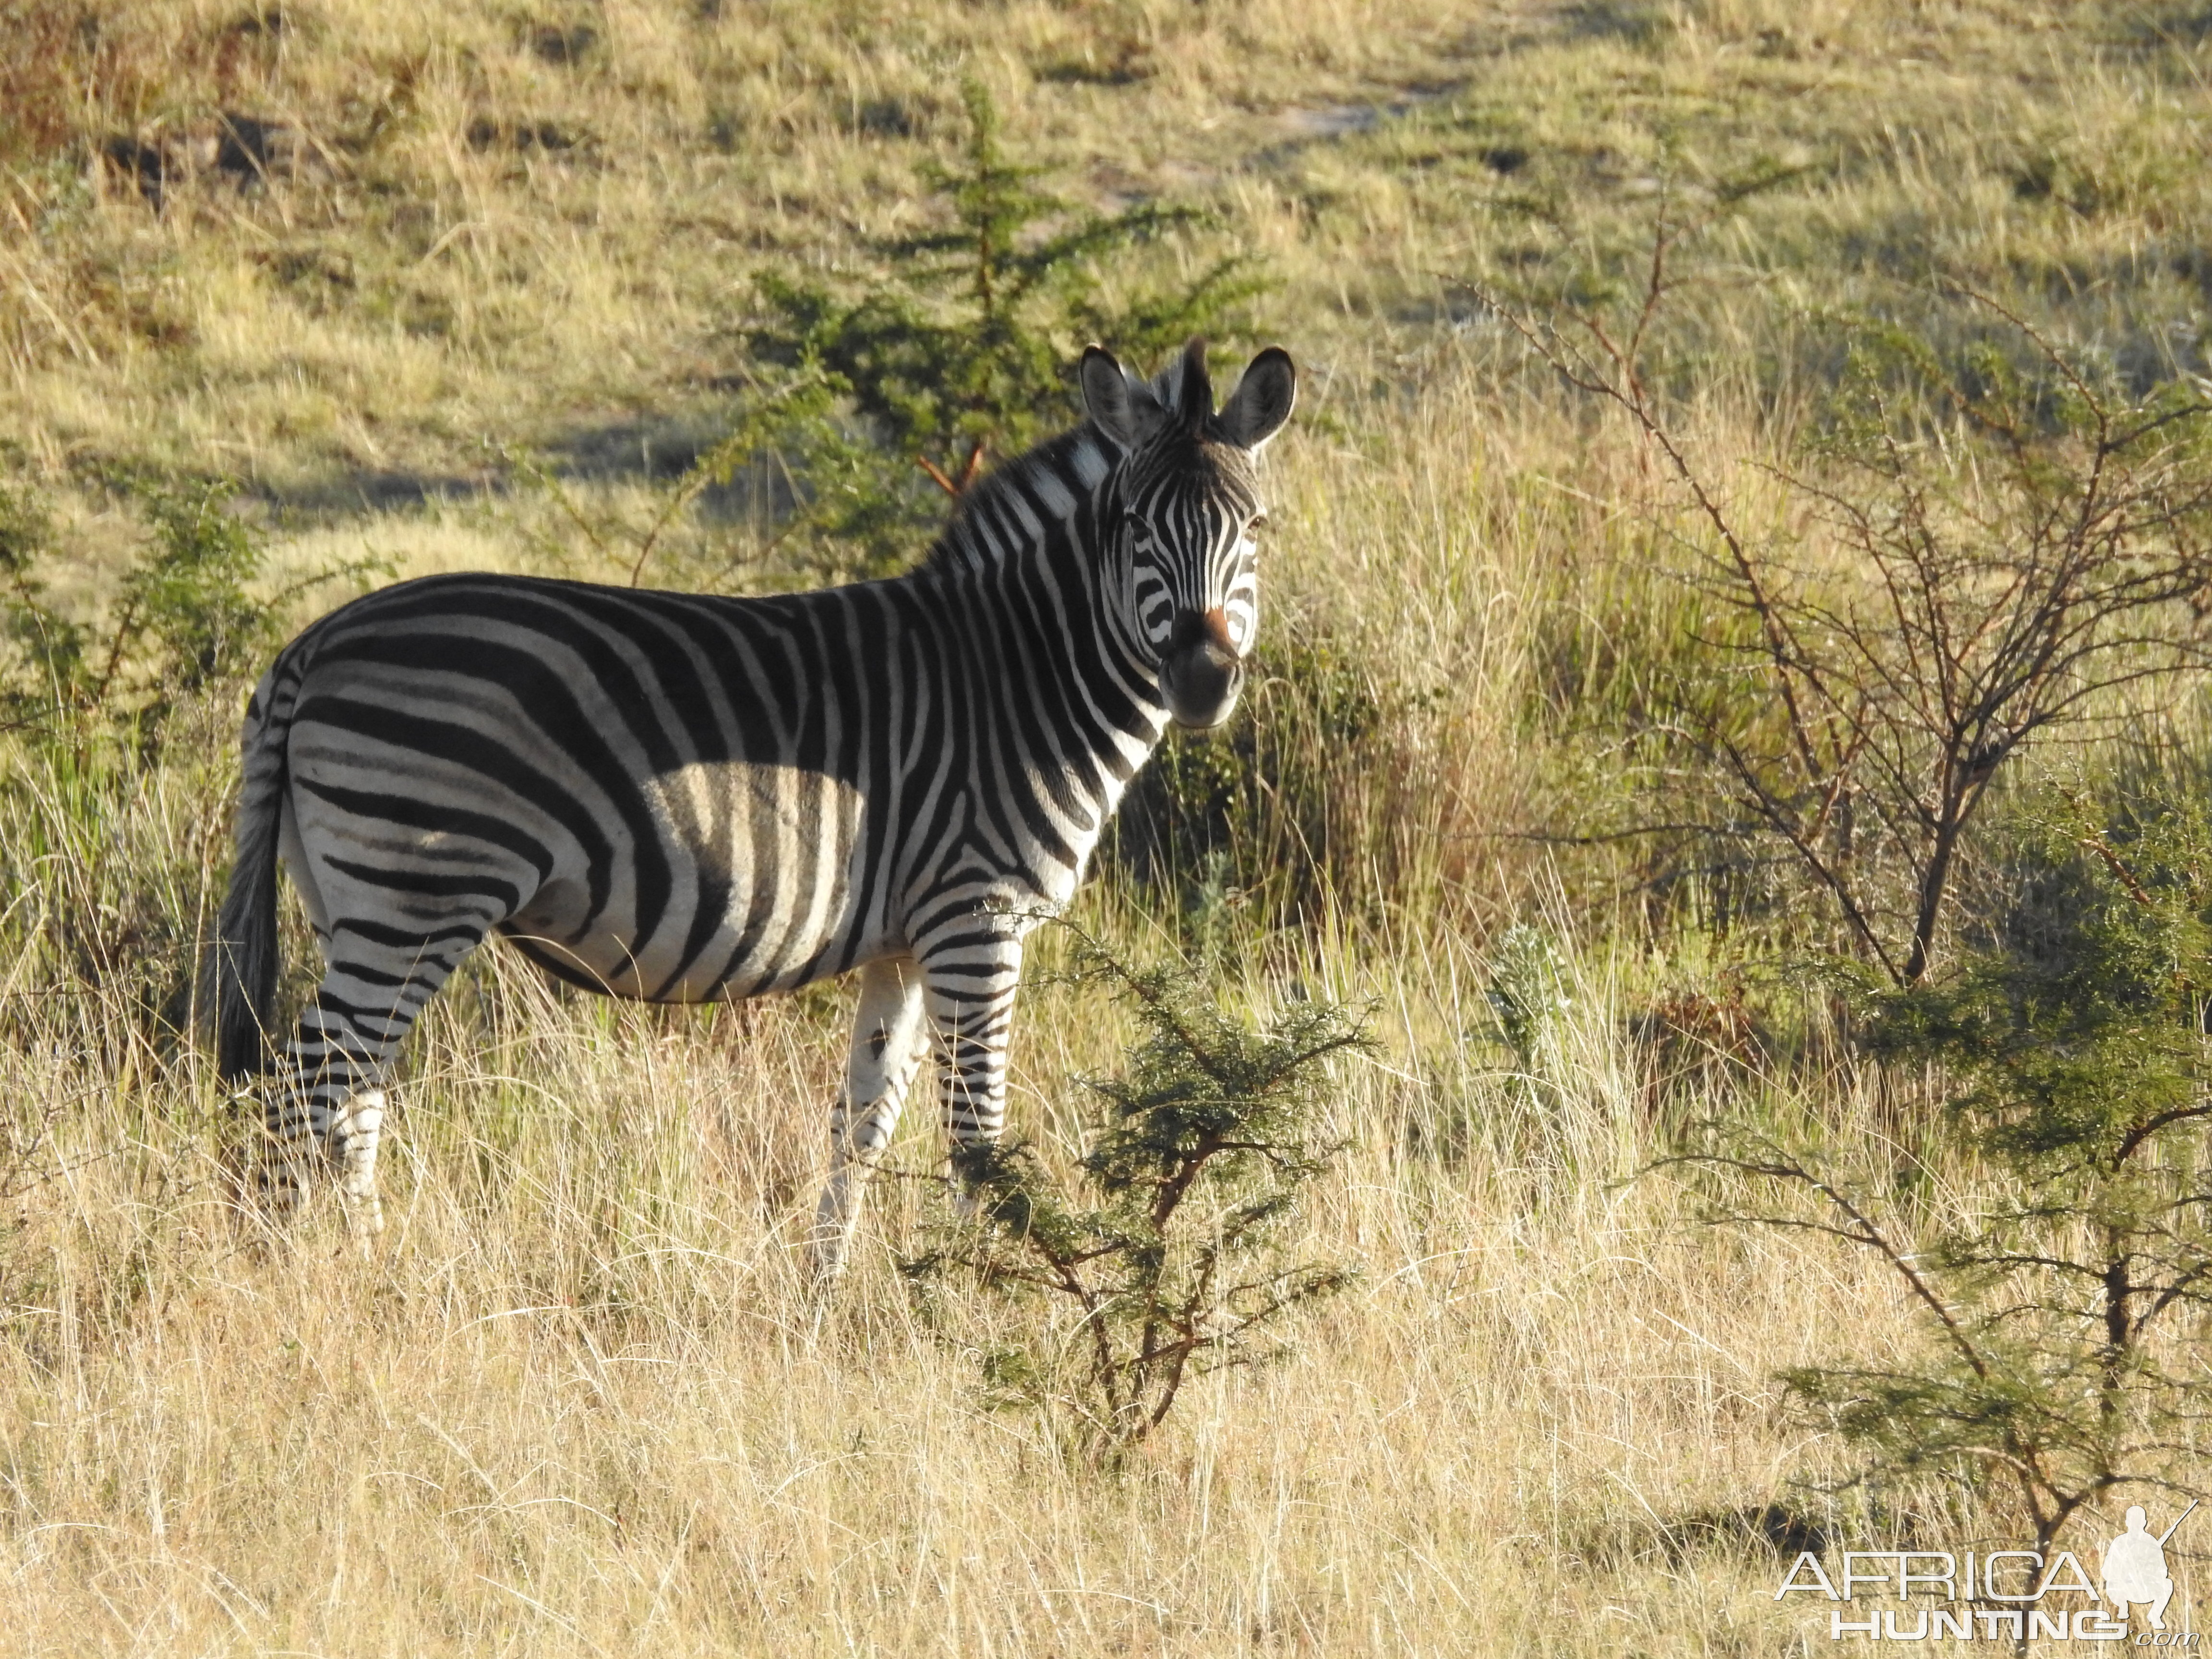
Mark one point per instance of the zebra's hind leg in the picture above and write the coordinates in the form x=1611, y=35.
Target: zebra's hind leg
x=887, y=1049
x=332, y=1106
x=311, y=1124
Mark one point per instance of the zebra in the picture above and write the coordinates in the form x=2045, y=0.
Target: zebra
x=682, y=797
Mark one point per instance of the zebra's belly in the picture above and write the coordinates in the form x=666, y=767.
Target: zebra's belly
x=751, y=883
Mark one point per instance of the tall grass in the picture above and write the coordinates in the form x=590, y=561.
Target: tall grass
x=577, y=1400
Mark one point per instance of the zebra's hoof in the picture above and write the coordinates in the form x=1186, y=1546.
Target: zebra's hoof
x=283, y=1194
x=824, y=1262
x=364, y=1217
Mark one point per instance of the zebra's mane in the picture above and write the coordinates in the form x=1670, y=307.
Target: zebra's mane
x=993, y=513
x=1045, y=480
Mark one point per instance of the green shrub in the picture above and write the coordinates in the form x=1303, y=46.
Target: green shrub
x=2062, y=1298
x=962, y=344
x=1172, y=1263
x=122, y=718
x=188, y=614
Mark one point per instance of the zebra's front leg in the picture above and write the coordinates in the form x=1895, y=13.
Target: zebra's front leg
x=969, y=989
x=887, y=1049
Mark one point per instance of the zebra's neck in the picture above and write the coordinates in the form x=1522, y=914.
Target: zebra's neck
x=1002, y=518
x=1049, y=522
x=1031, y=573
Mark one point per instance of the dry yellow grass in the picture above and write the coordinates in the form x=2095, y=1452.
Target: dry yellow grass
x=504, y=224
x=577, y=1401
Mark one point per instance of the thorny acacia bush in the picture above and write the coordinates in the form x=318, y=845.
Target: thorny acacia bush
x=1172, y=1263
x=2024, y=540
x=2061, y=1301
x=2007, y=540
x=962, y=347
x=188, y=614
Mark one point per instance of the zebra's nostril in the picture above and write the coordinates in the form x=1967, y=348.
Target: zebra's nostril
x=1217, y=631
x=1204, y=631
x=1202, y=670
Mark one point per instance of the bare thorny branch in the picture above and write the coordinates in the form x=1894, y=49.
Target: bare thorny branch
x=2049, y=1497
x=1904, y=679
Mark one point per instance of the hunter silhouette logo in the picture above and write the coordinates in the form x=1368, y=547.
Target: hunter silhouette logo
x=2002, y=1596
x=2135, y=1567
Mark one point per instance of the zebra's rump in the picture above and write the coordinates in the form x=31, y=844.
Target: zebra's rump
x=648, y=793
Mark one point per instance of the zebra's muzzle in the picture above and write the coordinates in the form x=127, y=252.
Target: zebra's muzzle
x=1201, y=673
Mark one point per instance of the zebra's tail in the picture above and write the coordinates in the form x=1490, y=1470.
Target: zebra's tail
x=246, y=952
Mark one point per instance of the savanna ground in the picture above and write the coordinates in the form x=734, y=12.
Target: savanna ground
x=478, y=291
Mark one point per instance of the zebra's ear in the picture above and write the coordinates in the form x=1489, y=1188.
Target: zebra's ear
x=1263, y=400
x=1121, y=406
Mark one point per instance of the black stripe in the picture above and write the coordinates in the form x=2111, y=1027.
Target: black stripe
x=437, y=817
x=474, y=884
x=469, y=750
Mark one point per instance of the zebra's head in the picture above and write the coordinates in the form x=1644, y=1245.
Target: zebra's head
x=1190, y=508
